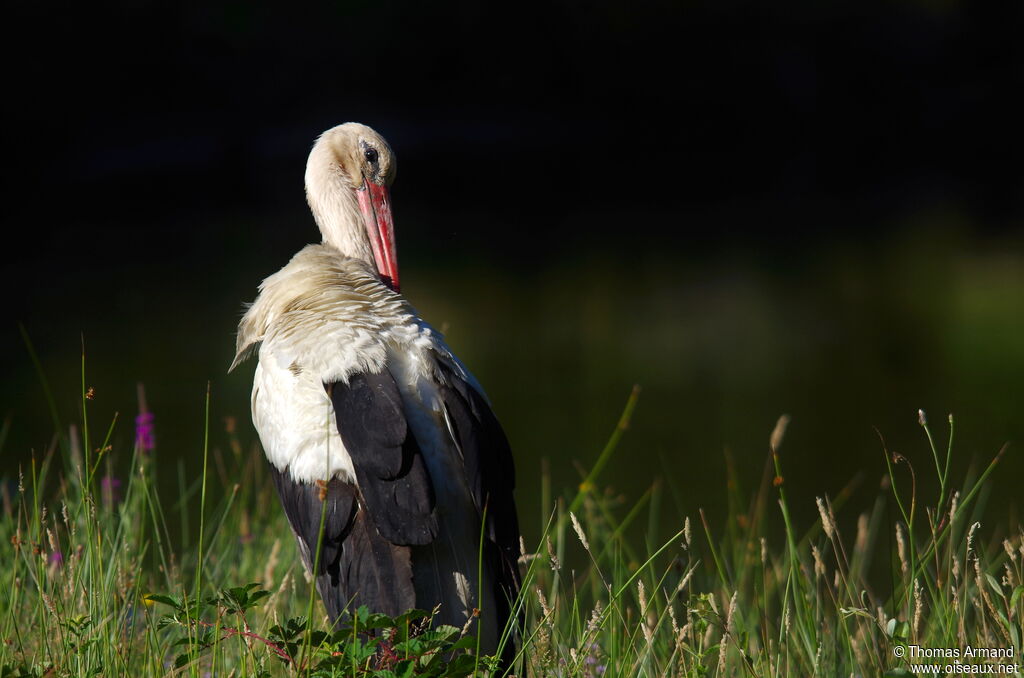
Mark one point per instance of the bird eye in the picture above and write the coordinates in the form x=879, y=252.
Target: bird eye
x=371, y=155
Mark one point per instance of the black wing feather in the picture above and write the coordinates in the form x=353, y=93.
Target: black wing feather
x=389, y=465
x=490, y=471
x=357, y=566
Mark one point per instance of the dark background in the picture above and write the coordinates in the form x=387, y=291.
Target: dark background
x=749, y=209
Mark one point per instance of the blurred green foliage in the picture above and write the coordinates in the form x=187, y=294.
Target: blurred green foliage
x=844, y=335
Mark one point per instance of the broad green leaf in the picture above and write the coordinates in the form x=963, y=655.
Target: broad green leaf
x=1015, y=596
x=166, y=600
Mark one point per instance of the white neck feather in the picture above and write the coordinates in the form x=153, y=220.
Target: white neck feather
x=332, y=199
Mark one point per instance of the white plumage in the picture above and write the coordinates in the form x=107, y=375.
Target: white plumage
x=321, y=318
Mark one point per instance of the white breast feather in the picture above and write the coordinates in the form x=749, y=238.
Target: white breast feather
x=320, y=319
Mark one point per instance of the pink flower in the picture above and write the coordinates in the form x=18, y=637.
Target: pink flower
x=144, y=436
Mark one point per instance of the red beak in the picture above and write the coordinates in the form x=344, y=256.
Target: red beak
x=375, y=204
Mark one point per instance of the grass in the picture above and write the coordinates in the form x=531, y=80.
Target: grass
x=112, y=578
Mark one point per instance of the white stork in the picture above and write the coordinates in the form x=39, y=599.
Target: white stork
x=359, y=403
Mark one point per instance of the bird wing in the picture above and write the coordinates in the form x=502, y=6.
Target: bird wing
x=369, y=525
x=392, y=477
x=356, y=566
x=490, y=475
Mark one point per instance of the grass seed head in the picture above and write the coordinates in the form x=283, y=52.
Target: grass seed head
x=901, y=547
x=579, y=531
x=819, y=564
x=545, y=610
x=918, y=607
x=970, y=540
x=727, y=634
x=552, y=558
x=778, y=433
x=594, y=625
x=686, y=579
x=827, y=523
x=647, y=624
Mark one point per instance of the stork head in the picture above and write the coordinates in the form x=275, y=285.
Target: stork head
x=347, y=177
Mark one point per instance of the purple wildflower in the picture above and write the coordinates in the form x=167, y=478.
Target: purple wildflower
x=592, y=665
x=144, y=436
x=56, y=558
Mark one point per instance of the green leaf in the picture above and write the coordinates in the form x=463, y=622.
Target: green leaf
x=376, y=621
x=467, y=642
x=166, y=600
x=1015, y=596
x=317, y=638
x=405, y=668
x=461, y=665
x=257, y=595
x=77, y=625
x=291, y=629
x=438, y=634
x=166, y=621
x=412, y=646
x=901, y=631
